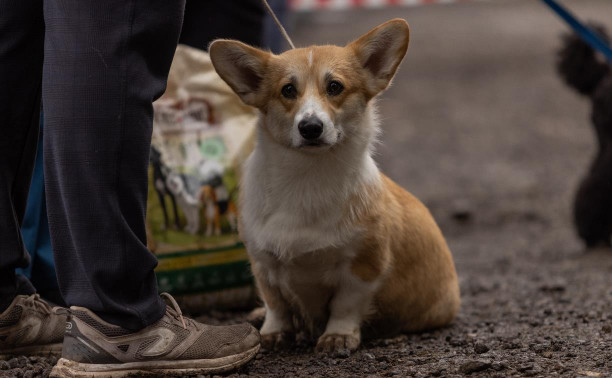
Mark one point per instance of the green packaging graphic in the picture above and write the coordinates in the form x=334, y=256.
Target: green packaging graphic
x=202, y=134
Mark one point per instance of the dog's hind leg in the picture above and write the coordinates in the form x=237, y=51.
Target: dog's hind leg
x=194, y=220
x=217, y=222
x=208, y=232
x=177, y=220
x=162, y=202
x=232, y=215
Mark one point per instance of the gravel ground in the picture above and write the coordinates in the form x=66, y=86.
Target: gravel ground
x=479, y=126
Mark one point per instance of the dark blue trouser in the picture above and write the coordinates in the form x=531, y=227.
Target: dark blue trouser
x=98, y=65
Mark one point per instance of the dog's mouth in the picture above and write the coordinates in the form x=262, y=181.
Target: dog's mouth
x=314, y=145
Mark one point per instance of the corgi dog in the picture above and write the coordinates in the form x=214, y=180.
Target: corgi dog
x=211, y=211
x=216, y=203
x=336, y=247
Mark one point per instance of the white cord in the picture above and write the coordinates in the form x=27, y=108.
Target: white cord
x=280, y=26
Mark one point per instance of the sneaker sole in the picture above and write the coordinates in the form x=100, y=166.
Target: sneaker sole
x=67, y=368
x=49, y=350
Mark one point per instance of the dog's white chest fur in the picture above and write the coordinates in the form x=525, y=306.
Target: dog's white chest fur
x=295, y=204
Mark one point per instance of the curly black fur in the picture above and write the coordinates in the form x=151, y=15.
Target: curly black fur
x=588, y=73
x=579, y=65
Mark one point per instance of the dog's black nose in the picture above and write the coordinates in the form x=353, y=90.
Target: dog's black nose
x=310, y=128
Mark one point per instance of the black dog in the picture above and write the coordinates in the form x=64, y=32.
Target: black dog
x=159, y=182
x=591, y=75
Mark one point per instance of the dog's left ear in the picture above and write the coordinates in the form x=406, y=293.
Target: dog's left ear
x=241, y=66
x=380, y=51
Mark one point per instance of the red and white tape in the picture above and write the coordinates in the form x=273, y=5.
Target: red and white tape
x=308, y=5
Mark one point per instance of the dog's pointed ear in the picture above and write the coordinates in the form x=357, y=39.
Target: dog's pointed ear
x=381, y=50
x=241, y=66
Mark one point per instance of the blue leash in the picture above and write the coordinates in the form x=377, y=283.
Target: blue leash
x=590, y=37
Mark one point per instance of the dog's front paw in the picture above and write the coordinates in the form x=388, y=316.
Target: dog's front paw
x=276, y=341
x=337, y=345
x=256, y=317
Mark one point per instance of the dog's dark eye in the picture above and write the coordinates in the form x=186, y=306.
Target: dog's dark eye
x=289, y=91
x=334, y=88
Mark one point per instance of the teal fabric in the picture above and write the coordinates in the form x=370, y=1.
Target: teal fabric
x=35, y=230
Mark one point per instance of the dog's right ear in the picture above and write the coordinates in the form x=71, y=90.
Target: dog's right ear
x=380, y=52
x=241, y=66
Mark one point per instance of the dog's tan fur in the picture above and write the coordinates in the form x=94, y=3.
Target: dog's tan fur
x=209, y=202
x=333, y=243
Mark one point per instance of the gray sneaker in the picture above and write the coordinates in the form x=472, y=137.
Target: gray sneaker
x=173, y=346
x=30, y=327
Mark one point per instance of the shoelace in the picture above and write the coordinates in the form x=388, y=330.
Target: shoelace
x=35, y=302
x=175, y=310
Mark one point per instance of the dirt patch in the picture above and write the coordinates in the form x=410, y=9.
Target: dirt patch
x=27, y=367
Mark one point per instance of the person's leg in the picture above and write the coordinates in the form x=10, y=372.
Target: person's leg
x=27, y=324
x=35, y=231
x=21, y=46
x=105, y=63
x=208, y=20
